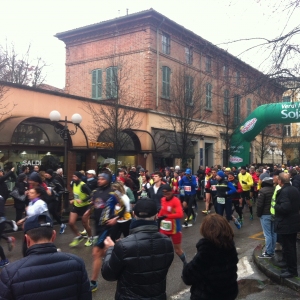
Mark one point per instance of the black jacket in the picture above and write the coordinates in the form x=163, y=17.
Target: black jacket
x=92, y=184
x=4, y=192
x=140, y=263
x=287, y=218
x=45, y=274
x=157, y=197
x=22, y=187
x=212, y=273
x=295, y=180
x=264, y=198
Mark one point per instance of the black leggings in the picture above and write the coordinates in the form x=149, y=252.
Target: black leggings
x=118, y=229
x=189, y=199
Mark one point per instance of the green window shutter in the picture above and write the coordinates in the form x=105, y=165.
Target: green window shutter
x=97, y=84
x=111, y=82
x=166, y=82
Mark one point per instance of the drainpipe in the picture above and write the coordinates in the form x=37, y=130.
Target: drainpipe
x=157, y=60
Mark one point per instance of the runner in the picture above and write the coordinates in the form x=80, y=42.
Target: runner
x=170, y=215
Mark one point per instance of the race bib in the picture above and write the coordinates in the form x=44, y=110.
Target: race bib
x=76, y=197
x=182, y=192
x=187, y=188
x=221, y=200
x=144, y=194
x=166, y=225
x=213, y=188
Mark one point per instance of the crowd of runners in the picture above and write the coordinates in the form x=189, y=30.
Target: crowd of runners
x=110, y=200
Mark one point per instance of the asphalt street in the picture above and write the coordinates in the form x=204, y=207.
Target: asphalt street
x=251, y=281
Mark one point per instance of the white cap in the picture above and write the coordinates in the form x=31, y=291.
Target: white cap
x=91, y=172
x=177, y=168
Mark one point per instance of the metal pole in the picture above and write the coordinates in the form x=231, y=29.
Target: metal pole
x=66, y=191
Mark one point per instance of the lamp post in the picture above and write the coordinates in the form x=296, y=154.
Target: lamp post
x=272, y=147
x=64, y=132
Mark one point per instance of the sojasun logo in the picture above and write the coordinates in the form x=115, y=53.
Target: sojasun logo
x=248, y=126
x=235, y=159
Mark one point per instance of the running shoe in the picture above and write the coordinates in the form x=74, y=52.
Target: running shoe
x=251, y=217
x=265, y=255
x=62, y=228
x=76, y=241
x=11, y=243
x=206, y=212
x=241, y=221
x=93, y=286
x=4, y=262
x=14, y=225
x=237, y=224
x=89, y=242
x=190, y=218
x=186, y=224
x=84, y=234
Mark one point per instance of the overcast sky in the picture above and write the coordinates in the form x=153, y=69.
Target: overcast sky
x=37, y=21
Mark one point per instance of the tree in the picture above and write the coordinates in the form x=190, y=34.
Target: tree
x=21, y=68
x=188, y=107
x=115, y=116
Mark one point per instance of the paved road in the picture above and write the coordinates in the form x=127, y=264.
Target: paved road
x=252, y=280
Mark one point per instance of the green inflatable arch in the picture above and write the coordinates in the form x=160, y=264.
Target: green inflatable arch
x=264, y=115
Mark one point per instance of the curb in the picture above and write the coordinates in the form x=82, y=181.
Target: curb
x=273, y=272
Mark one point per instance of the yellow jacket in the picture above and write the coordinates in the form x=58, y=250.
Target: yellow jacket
x=246, y=178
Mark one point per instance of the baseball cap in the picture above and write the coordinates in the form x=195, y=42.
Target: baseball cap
x=166, y=187
x=145, y=208
x=91, y=172
x=221, y=174
x=142, y=170
x=188, y=171
x=227, y=169
x=37, y=221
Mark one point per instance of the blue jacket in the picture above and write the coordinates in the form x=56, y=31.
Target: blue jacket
x=187, y=182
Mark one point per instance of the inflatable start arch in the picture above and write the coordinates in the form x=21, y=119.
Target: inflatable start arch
x=264, y=115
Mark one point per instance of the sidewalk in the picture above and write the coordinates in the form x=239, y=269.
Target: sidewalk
x=268, y=267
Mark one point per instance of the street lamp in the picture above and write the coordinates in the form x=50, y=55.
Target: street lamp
x=272, y=148
x=64, y=132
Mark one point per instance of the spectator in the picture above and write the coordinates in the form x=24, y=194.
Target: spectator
x=44, y=273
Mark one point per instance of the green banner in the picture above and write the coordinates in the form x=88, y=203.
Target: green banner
x=264, y=115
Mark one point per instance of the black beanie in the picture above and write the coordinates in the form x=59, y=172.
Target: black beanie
x=50, y=172
x=78, y=174
x=34, y=176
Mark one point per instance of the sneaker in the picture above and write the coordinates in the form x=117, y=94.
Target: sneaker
x=93, y=286
x=265, y=255
x=89, y=242
x=251, y=217
x=186, y=224
x=190, y=218
x=76, y=241
x=62, y=228
x=204, y=212
x=14, y=225
x=4, y=262
x=237, y=224
x=84, y=234
x=241, y=220
x=11, y=243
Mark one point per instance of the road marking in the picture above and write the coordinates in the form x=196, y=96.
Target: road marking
x=258, y=236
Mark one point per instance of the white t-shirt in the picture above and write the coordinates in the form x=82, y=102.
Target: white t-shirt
x=36, y=208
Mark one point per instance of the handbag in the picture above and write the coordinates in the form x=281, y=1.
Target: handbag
x=16, y=195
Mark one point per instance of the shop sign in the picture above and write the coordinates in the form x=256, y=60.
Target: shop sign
x=31, y=163
x=101, y=144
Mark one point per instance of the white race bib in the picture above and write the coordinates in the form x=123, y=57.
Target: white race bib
x=221, y=200
x=187, y=188
x=166, y=225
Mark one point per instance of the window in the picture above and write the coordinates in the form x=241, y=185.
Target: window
x=238, y=78
x=111, y=82
x=165, y=43
x=286, y=99
x=226, y=103
x=237, y=109
x=97, y=84
x=208, y=104
x=166, y=71
x=189, y=55
x=189, y=90
x=249, y=106
x=226, y=72
x=287, y=130
x=208, y=64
